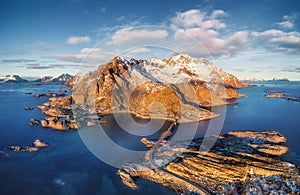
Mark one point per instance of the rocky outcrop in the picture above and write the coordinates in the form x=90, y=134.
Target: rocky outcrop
x=34, y=122
x=275, y=95
x=62, y=91
x=279, y=94
x=39, y=144
x=238, y=163
x=36, y=146
x=70, y=81
x=23, y=149
x=49, y=95
x=180, y=86
x=59, y=113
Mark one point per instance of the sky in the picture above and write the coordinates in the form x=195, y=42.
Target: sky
x=250, y=39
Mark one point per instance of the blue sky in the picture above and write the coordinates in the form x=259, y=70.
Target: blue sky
x=251, y=39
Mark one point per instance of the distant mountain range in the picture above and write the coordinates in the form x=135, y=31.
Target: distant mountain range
x=12, y=79
x=49, y=79
x=274, y=79
x=46, y=79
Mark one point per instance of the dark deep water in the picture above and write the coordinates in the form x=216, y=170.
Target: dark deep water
x=68, y=167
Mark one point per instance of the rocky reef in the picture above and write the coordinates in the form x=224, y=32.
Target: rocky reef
x=28, y=108
x=280, y=94
x=60, y=115
x=238, y=163
x=163, y=89
x=36, y=146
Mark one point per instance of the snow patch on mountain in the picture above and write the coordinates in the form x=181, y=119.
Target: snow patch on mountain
x=60, y=79
x=11, y=79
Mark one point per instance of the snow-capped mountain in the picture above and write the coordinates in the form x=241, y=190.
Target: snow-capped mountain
x=182, y=67
x=177, y=83
x=60, y=79
x=45, y=79
x=12, y=79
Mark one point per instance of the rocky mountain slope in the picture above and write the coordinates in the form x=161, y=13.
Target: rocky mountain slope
x=12, y=79
x=179, y=87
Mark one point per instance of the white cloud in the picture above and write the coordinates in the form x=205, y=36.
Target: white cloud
x=288, y=21
x=195, y=19
x=183, y=34
x=278, y=40
x=238, y=38
x=271, y=32
x=188, y=19
x=217, y=13
x=127, y=36
x=120, y=18
x=201, y=31
x=285, y=24
x=75, y=40
x=194, y=26
x=90, y=50
x=287, y=43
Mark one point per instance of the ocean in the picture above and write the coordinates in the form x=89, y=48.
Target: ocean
x=69, y=167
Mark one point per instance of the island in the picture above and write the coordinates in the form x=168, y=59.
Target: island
x=280, y=94
x=185, y=87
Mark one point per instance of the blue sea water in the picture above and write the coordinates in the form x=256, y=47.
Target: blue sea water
x=68, y=167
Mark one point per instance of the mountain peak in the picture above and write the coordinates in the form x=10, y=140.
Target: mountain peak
x=179, y=59
x=12, y=79
x=182, y=57
x=61, y=78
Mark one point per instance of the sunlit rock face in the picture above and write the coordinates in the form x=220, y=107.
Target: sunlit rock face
x=238, y=163
x=180, y=86
x=59, y=113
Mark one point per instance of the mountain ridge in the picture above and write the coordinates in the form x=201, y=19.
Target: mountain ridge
x=12, y=79
x=185, y=87
x=50, y=79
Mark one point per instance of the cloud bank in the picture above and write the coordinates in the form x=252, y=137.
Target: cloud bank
x=78, y=40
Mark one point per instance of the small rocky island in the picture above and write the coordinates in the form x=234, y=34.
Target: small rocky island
x=280, y=94
x=36, y=146
x=238, y=163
